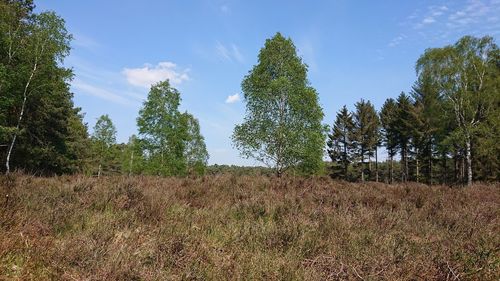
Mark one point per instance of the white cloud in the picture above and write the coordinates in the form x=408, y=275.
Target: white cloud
x=474, y=12
x=233, y=98
x=396, y=41
x=229, y=53
x=149, y=74
x=433, y=13
x=88, y=89
x=447, y=22
x=428, y=20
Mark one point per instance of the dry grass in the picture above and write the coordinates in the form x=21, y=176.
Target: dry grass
x=246, y=228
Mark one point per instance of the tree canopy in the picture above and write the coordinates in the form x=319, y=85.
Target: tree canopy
x=282, y=126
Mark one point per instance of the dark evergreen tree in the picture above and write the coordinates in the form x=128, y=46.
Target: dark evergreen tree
x=404, y=131
x=429, y=123
x=340, y=144
x=388, y=120
x=40, y=130
x=365, y=133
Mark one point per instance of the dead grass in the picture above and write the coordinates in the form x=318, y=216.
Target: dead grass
x=245, y=228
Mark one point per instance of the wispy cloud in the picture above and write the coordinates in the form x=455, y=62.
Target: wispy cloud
x=233, y=98
x=229, y=53
x=83, y=41
x=148, y=74
x=474, y=12
x=432, y=15
x=95, y=91
x=450, y=20
x=396, y=40
x=306, y=50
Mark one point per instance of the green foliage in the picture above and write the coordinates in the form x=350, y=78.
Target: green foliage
x=171, y=140
x=38, y=121
x=104, y=132
x=341, y=144
x=388, y=119
x=132, y=157
x=196, y=153
x=105, y=150
x=404, y=130
x=282, y=127
x=466, y=74
x=365, y=132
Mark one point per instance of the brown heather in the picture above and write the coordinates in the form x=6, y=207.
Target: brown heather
x=245, y=228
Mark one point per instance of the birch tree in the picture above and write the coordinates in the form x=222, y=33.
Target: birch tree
x=34, y=44
x=282, y=126
x=463, y=72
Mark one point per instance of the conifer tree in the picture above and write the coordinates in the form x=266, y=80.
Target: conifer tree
x=40, y=129
x=340, y=143
x=388, y=120
x=465, y=73
x=429, y=122
x=404, y=131
x=365, y=132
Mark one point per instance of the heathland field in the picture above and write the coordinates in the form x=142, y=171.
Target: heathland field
x=245, y=228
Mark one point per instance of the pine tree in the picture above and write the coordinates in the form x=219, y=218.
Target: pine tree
x=365, y=132
x=340, y=144
x=388, y=120
x=404, y=131
x=429, y=122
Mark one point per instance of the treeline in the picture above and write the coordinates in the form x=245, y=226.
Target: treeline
x=41, y=131
x=446, y=130
x=169, y=142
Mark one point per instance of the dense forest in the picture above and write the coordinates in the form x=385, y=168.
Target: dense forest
x=445, y=130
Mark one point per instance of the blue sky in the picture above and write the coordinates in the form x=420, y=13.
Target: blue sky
x=354, y=49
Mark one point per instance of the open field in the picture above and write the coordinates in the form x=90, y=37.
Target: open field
x=244, y=228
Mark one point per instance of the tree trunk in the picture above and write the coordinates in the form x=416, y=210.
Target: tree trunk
x=376, y=164
x=391, y=173
x=468, y=157
x=430, y=169
x=417, y=167
x=99, y=171
x=362, y=167
x=404, y=155
x=445, y=169
x=346, y=164
x=21, y=115
x=369, y=163
x=131, y=163
x=279, y=173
